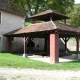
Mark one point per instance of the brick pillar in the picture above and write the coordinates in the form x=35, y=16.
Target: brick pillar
x=9, y=44
x=54, y=48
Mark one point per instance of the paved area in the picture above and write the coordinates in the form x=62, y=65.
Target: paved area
x=47, y=58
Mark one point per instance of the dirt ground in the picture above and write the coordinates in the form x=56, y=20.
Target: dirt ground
x=31, y=74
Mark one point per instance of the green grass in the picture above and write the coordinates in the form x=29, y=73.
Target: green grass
x=73, y=52
x=73, y=39
x=14, y=61
x=30, y=22
x=27, y=23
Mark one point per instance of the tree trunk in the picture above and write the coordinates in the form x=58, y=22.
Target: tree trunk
x=29, y=6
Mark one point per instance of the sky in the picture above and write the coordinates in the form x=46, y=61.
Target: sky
x=77, y=1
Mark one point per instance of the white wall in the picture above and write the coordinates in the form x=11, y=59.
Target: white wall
x=9, y=23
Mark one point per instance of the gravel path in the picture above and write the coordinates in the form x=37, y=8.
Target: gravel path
x=31, y=74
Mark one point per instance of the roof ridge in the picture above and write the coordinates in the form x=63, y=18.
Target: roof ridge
x=42, y=13
x=54, y=24
x=48, y=10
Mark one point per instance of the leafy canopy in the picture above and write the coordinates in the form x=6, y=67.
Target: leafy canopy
x=75, y=16
x=36, y=6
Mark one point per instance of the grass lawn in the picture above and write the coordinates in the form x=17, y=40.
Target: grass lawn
x=14, y=61
x=30, y=22
x=27, y=23
x=73, y=39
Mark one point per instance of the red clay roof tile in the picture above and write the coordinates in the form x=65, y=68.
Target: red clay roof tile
x=45, y=16
x=45, y=26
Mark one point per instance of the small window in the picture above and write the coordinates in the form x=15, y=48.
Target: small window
x=0, y=17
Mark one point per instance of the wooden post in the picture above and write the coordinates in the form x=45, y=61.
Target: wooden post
x=33, y=21
x=9, y=44
x=29, y=43
x=64, y=21
x=77, y=46
x=66, y=40
x=45, y=45
x=25, y=46
x=54, y=48
x=51, y=17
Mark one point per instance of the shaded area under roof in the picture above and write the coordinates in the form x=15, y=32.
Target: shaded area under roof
x=45, y=16
x=49, y=27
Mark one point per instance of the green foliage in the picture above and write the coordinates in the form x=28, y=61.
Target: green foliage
x=29, y=22
x=75, y=16
x=36, y=6
x=73, y=39
x=14, y=61
x=61, y=6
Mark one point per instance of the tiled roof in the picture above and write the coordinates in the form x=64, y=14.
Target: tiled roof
x=45, y=16
x=14, y=9
x=38, y=27
x=66, y=27
x=45, y=26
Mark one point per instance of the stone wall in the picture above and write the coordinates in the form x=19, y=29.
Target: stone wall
x=72, y=45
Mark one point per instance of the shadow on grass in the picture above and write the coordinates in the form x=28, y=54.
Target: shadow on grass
x=73, y=52
x=75, y=61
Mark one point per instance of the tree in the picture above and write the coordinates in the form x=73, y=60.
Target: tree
x=61, y=6
x=36, y=6
x=75, y=16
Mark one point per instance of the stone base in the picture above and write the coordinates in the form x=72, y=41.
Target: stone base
x=54, y=62
x=76, y=56
x=25, y=55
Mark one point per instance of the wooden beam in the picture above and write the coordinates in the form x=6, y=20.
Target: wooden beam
x=64, y=21
x=25, y=46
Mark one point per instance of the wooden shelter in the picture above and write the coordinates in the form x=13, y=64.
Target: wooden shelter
x=51, y=30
